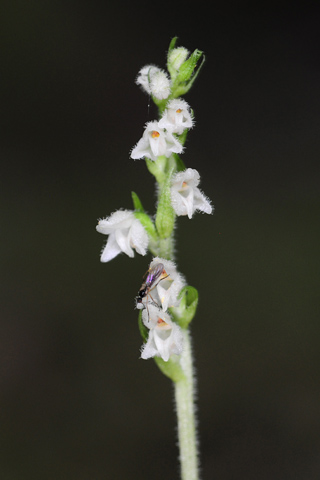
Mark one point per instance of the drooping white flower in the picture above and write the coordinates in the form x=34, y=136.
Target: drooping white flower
x=160, y=85
x=177, y=116
x=125, y=234
x=145, y=75
x=164, y=291
x=156, y=142
x=154, y=81
x=186, y=197
x=165, y=337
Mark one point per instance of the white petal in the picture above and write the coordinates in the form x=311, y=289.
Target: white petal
x=160, y=85
x=139, y=238
x=164, y=296
x=142, y=149
x=111, y=249
x=122, y=238
x=177, y=340
x=148, y=349
x=145, y=75
x=201, y=202
x=118, y=219
x=173, y=144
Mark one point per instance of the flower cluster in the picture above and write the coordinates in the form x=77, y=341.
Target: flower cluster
x=162, y=143
x=164, y=336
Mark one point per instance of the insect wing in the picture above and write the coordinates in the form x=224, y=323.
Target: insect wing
x=154, y=274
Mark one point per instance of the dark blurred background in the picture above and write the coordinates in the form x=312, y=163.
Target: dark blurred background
x=76, y=402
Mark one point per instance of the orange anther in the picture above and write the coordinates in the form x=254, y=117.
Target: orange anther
x=155, y=134
x=161, y=322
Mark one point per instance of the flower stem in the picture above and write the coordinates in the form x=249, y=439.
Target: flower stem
x=184, y=383
x=166, y=248
x=184, y=396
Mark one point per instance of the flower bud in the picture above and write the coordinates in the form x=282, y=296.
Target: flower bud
x=176, y=57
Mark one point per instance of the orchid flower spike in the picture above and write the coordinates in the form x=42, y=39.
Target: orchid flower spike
x=125, y=234
x=165, y=337
x=177, y=116
x=186, y=197
x=156, y=142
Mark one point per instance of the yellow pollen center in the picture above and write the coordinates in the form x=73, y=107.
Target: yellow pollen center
x=155, y=134
x=179, y=110
x=161, y=322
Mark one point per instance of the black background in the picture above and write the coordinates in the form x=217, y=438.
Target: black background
x=75, y=400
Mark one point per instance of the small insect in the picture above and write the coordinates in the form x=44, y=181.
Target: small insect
x=153, y=275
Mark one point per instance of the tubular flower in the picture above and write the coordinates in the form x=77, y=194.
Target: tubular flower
x=177, y=117
x=165, y=337
x=165, y=290
x=155, y=142
x=186, y=197
x=125, y=234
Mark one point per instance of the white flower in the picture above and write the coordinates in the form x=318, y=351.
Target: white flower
x=154, y=81
x=165, y=290
x=156, y=142
x=165, y=337
x=186, y=197
x=145, y=75
x=160, y=85
x=176, y=117
x=125, y=234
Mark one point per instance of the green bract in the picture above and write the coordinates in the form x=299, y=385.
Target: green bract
x=147, y=223
x=158, y=168
x=171, y=368
x=184, y=313
x=137, y=203
x=143, y=329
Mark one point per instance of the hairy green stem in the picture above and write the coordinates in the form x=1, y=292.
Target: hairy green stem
x=185, y=407
x=183, y=383
x=166, y=248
